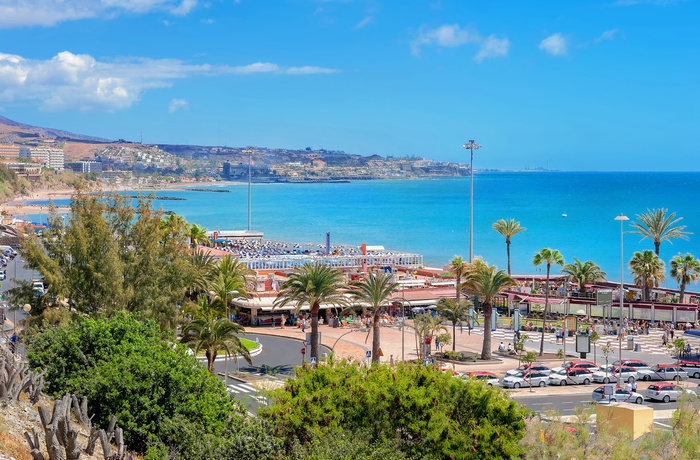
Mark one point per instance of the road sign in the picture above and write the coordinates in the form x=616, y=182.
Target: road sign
x=303, y=350
x=380, y=352
x=368, y=354
x=305, y=343
x=312, y=360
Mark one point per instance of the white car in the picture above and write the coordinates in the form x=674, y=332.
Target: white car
x=575, y=376
x=3, y=275
x=523, y=379
x=488, y=378
x=612, y=373
x=616, y=394
x=666, y=392
x=577, y=364
x=541, y=368
x=662, y=372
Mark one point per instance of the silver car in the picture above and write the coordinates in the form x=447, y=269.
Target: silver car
x=662, y=372
x=534, y=367
x=666, y=392
x=523, y=379
x=574, y=376
x=616, y=394
x=612, y=373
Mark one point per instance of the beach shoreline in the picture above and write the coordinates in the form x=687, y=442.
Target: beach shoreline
x=21, y=205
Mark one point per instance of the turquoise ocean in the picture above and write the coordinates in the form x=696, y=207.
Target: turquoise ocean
x=570, y=211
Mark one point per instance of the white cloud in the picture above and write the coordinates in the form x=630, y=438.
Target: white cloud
x=447, y=36
x=554, y=44
x=365, y=21
x=611, y=34
x=452, y=35
x=79, y=81
x=492, y=47
x=178, y=104
x=20, y=13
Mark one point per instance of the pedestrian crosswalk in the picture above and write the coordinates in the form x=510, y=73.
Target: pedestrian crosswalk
x=240, y=388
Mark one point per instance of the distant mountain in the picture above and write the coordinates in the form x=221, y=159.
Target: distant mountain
x=12, y=131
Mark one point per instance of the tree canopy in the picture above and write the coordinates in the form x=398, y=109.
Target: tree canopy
x=162, y=397
x=421, y=411
x=112, y=256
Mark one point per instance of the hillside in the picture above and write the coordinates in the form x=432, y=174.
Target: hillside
x=12, y=131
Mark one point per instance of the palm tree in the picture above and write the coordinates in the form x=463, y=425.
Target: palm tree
x=648, y=271
x=458, y=268
x=197, y=235
x=230, y=277
x=548, y=256
x=657, y=226
x=214, y=335
x=454, y=311
x=486, y=282
x=508, y=228
x=685, y=270
x=374, y=290
x=202, y=266
x=426, y=325
x=583, y=273
x=310, y=285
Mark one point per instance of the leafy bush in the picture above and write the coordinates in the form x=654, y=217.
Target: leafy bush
x=162, y=397
x=419, y=410
x=453, y=355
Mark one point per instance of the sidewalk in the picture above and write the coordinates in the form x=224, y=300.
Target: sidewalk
x=353, y=343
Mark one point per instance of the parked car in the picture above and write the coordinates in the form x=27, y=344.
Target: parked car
x=666, y=392
x=635, y=363
x=575, y=376
x=3, y=275
x=448, y=370
x=662, y=372
x=691, y=367
x=523, y=379
x=578, y=363
x=489, y=378
x=612, y=373
x=536, y=367
x=616, y=394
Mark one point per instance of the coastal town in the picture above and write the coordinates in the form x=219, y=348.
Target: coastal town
x=31, y=151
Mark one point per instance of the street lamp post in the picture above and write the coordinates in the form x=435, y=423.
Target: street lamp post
x=471, y=146
x=249, y=151
x=622, y=218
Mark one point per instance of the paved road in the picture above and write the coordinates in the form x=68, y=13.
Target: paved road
x=277, y=361
x=15, y=270
x=567, y=403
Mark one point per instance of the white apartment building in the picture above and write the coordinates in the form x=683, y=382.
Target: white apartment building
x=52, y=157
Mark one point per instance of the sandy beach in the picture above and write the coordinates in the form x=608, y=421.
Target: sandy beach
x=20, y=205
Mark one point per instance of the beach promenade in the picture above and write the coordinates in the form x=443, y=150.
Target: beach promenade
x=353, y=344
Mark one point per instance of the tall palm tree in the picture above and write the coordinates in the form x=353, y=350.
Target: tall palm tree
x=508, y=228
x=454, y=311
x=648, y=270
x=374, y=291
x=230, y=277
x=583, y=273
x=486, y=282
x=310, y=285
x=214, y=335
x=657, y=226
x=458, y=268
x=548, y=256
x=685, y=269
x=197, y=234
x=202, y=265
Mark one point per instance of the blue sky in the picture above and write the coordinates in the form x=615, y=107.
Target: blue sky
x=584, y=85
